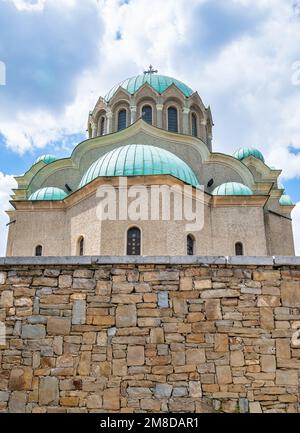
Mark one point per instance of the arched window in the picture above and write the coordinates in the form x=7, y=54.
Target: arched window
x=194, y=125
x=134, y=242
x=39, y=250
x=102, y=126
x=122, y=120
x=147, y=114
x=190, y=245
x=239, y=249
x=81, y=246
x=172, y=119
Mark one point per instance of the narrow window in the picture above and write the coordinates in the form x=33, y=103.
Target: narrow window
x=39, y=250
x=102, y=125
x=172, y=119
x=190, y=245
x=134, y=242
x=122, y=120
x=194, y=125
x=81, y=246
x=147, y=114
x=239, y=249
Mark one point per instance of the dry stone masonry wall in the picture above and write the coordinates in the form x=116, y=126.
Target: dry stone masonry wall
x=199, y=336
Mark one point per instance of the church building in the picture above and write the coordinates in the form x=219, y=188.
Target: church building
x=151, y=131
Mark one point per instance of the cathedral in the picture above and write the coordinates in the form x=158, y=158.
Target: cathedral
x=150, y=132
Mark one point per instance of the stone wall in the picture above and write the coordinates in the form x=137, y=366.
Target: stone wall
x=150, y=334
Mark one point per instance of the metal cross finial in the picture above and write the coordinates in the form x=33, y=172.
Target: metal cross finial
x=151, y=70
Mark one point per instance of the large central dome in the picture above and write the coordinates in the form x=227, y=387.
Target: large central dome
x=139, y=160
x=158, y=82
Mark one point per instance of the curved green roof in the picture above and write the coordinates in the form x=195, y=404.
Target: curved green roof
x=232, y=188
x=49, y=193
x=285, y=200
x=158, y=82
x=139, y=160
x=47, y=159
x=245, y=152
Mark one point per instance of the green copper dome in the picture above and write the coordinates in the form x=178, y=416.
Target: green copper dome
x=47, y=159
x=285, y=200
x=49, y=193
x=158, y=82
x=139, y=160
x=245, y=152
x=232, y=188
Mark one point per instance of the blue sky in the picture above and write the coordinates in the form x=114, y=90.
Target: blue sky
x=60, y=55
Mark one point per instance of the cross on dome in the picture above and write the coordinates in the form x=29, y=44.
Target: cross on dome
x=151, y=70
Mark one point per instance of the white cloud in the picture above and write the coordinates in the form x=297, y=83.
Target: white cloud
x=296, y=227
x=247, y=80
x=6, y=184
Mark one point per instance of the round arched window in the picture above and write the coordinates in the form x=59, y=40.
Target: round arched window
x=134, y=241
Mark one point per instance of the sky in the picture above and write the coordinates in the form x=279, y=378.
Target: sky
x=58, y=56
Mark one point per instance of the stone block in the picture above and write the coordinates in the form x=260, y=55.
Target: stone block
x=119, y=367
x=65, y=281
x=255, y=407
x=126, y=316
x=135, y=355
x=268, y=363
x=45, y=282
x=220, y=293
x=157, y=336
x=290, y=293
x=17, y=402
x=111, y=399
x=267, y=318
x=283, y=348
x=163, y=300
x=202, y=284
x=2, y=278
x=163, y=390
x=186, y=283
x=48, y=391
x=149, y=404
x=84, y=284
x=7, y=299
x=195, y=390
x=195, y=356
x=127, y=299
x=94, y=401
x=105, y=369
x=213, y=309
x=287, y=377
x=268, y=301
x=20, y=379
x=265, y=275
x=237, y=358
x=58, y=326
x=221, y=343
x=33, y=332
x=79, y=312
x=180, y=306
x=84, y=364
x=224, y=375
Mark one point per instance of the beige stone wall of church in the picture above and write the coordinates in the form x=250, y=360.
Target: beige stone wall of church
x=39, y=227
x=239, y=224
x=279, y=234
x=58, y=231
x=140, y=337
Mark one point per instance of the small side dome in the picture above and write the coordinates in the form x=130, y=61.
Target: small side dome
x=232, y=188
x=47, y=159
x=139, y=160
x=49, y=193
x=285, y=200
x=245, y=152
